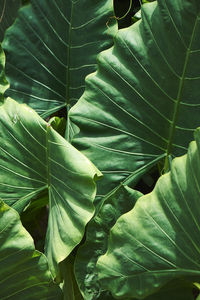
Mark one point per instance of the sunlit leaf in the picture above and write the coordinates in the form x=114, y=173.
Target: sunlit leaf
x=24, y=272
x=34, y=158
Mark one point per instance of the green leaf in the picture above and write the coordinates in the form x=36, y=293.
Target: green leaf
x=8, y=13
x=147, y=1
x=58, y=124
x=35, y=220
x=108, y=210
x=98, y=229
x=70, y=288
x=24, y=272
x=3, y=81
x=143, y=101
x=176, y=290
x=158, y=241
x=34, y=158
x=52, y=47
x=197, y=284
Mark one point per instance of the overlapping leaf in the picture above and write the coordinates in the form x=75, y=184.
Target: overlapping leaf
x=144, y=99
x=114, y=206
x=24, y=272
x=35, y=158
x=110, y=208
x=158, y=240
x=52, y=47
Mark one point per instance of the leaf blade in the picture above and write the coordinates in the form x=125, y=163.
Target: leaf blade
x=51, y=40
x=157, y=241
x=139, y=100
x=36, y=158
x=24, y=271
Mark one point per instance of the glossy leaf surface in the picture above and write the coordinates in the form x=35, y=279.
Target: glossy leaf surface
x=52, y=47
x=158, y=240
x=24, y=272
x=36, y=158
x=143, y=101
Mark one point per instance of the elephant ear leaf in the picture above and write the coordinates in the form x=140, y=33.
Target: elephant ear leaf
x=24, y=272
x=143, y=101
x=52, y=47
x=158, y=240
x=36, y=159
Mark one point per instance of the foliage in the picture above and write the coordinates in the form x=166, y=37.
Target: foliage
x=37, y=159
x=46, y=59
x=139, y=101
x=163, y=233
x=24, y=272
x=133, y=117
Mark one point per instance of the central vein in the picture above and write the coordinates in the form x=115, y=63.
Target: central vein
x=67, y=134
x=69, y=55
x=179, y=94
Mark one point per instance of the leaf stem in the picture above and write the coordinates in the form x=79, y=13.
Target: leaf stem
x=134, y=176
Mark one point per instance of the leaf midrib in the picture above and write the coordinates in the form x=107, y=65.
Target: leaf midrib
x=47, y=156
x=179, y=94
x=69, y=54
x=67, y=134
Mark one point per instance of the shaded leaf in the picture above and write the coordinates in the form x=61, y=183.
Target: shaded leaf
x=58, y=124
x=35, y=220
x=175, y=290
x=8, y=13
x=108, y=211
x=98, y=229
x=70, y=288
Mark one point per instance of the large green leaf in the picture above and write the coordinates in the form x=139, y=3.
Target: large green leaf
x=113, y=207
x=24, y=272
x=108, y=210
x=8, y=13
x=34, y=158
x=52, y=47
x=158, y=241
x=144, y=99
